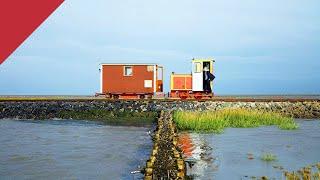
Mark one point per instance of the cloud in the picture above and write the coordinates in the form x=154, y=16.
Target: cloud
x=254, y=43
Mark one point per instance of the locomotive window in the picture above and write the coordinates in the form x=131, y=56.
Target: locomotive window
x=127, y=71
x=197, y=67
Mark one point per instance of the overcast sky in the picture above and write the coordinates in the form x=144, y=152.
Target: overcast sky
x=260, y=47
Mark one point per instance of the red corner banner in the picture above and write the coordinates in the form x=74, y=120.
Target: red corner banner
x=18, y=19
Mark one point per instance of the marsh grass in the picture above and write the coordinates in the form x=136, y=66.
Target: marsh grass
x=217, y=121
x=268, y=157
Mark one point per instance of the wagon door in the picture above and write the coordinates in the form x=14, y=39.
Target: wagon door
x=197, y=76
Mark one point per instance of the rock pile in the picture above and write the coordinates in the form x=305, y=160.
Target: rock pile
x=165, y=161
x=52, y=109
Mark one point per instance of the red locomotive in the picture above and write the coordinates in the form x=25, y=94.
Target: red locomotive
x=140, y=81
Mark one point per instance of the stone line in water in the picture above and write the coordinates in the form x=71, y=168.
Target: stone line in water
x=165, y=160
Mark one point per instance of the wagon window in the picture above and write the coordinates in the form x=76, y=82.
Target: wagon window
x=197, y=67
x=148, y=83
x=127, y=71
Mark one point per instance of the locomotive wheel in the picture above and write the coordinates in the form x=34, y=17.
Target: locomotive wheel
x=198, y=97
x=142, y=96
x=183, y=95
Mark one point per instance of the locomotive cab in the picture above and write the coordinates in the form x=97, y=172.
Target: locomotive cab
x=198, y=79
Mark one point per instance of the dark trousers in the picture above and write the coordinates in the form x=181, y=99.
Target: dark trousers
x=207, y=87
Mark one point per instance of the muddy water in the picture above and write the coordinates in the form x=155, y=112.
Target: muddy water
x=66, y=149
x=236, y=154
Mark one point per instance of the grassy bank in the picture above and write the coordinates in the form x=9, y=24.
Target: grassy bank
x=112, y=117
x=217, y=121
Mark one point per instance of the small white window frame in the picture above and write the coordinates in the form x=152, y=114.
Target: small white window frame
x=196, y=66
x=124, y=70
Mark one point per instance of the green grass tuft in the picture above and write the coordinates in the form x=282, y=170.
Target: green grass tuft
x=268, y=157
x=217, y=121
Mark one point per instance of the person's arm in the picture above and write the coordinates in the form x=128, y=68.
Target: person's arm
x=211, y=76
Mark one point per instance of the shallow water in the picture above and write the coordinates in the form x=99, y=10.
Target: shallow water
x=64, y=149
x=236, y=154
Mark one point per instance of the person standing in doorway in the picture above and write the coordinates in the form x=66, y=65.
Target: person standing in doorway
x=208, y=77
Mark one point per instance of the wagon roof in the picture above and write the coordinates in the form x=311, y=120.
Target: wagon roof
x=133, y=64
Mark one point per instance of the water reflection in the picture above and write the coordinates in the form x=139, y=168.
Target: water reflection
x=198, y=154
x=236, y=154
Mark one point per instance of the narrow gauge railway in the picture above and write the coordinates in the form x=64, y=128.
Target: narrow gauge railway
x=145, y=81
x=213, y=99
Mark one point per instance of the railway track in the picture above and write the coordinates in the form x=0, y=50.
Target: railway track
x=216, y=98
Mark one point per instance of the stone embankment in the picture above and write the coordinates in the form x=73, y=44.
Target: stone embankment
x=165, y=161
x=59, y=109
